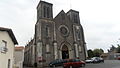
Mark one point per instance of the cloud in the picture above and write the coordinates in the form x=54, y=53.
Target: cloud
x=20, y=16
x=100, y=19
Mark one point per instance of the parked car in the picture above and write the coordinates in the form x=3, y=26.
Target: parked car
x=95, y=60
x=74, y=63
x=57, y=62
x=101, y=59
x=118, y=58
x=89, y=61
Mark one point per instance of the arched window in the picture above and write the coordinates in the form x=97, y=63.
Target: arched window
x=80, y=49
x=48, y=12
x=47, y=31
x=38, y=14
x=79, y=35
x=75, y=18
x=44, y=11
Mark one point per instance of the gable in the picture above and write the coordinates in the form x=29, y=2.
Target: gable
x=62, y=18
x=10, y=32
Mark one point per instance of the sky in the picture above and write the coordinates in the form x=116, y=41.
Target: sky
x=99, y=18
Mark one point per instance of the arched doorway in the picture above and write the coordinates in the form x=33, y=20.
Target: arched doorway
x=65, y=52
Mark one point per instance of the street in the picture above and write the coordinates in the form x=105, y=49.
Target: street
x=106, y=64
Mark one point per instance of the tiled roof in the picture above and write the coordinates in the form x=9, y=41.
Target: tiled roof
x=19, y=48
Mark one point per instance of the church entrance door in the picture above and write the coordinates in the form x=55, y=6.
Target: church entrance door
x=65, y=52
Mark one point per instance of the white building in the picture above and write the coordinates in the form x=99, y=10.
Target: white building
x=19, y=56
x=7, y=44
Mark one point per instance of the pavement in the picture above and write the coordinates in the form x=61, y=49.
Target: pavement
x=106, y=64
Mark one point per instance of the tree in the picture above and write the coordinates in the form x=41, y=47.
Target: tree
x=112, y=48
x=102, y=50
x=118, y=49
x=98, y=52
x=90, y=53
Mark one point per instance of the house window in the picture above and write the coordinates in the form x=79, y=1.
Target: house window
x=3, y=46
x=8, y=63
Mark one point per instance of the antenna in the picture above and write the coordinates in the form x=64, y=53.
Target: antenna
x=70, y=4
x=42, y=0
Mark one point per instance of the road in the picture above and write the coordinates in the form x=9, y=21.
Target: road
x=106, y=64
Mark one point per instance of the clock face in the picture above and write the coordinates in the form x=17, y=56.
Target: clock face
x=64, y=30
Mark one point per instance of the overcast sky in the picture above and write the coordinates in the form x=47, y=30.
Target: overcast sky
x=99, y=18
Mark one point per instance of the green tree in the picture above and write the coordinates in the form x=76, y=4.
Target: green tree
x=118, y=49
x=98, y=52
x=102, y=50
x=90, y=53
x=112, y=48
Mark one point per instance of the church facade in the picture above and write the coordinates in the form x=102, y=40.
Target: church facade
x=61, y=37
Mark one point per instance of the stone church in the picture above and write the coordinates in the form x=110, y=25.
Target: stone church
x=61, y=37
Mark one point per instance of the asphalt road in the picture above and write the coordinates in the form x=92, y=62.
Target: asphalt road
x=106, y=64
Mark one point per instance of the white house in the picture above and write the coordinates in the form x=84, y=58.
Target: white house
x=19, y=56
x=7, y=45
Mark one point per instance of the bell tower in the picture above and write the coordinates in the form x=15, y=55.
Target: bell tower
x=74, y=16
x=44, y=34
x=44, y=10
